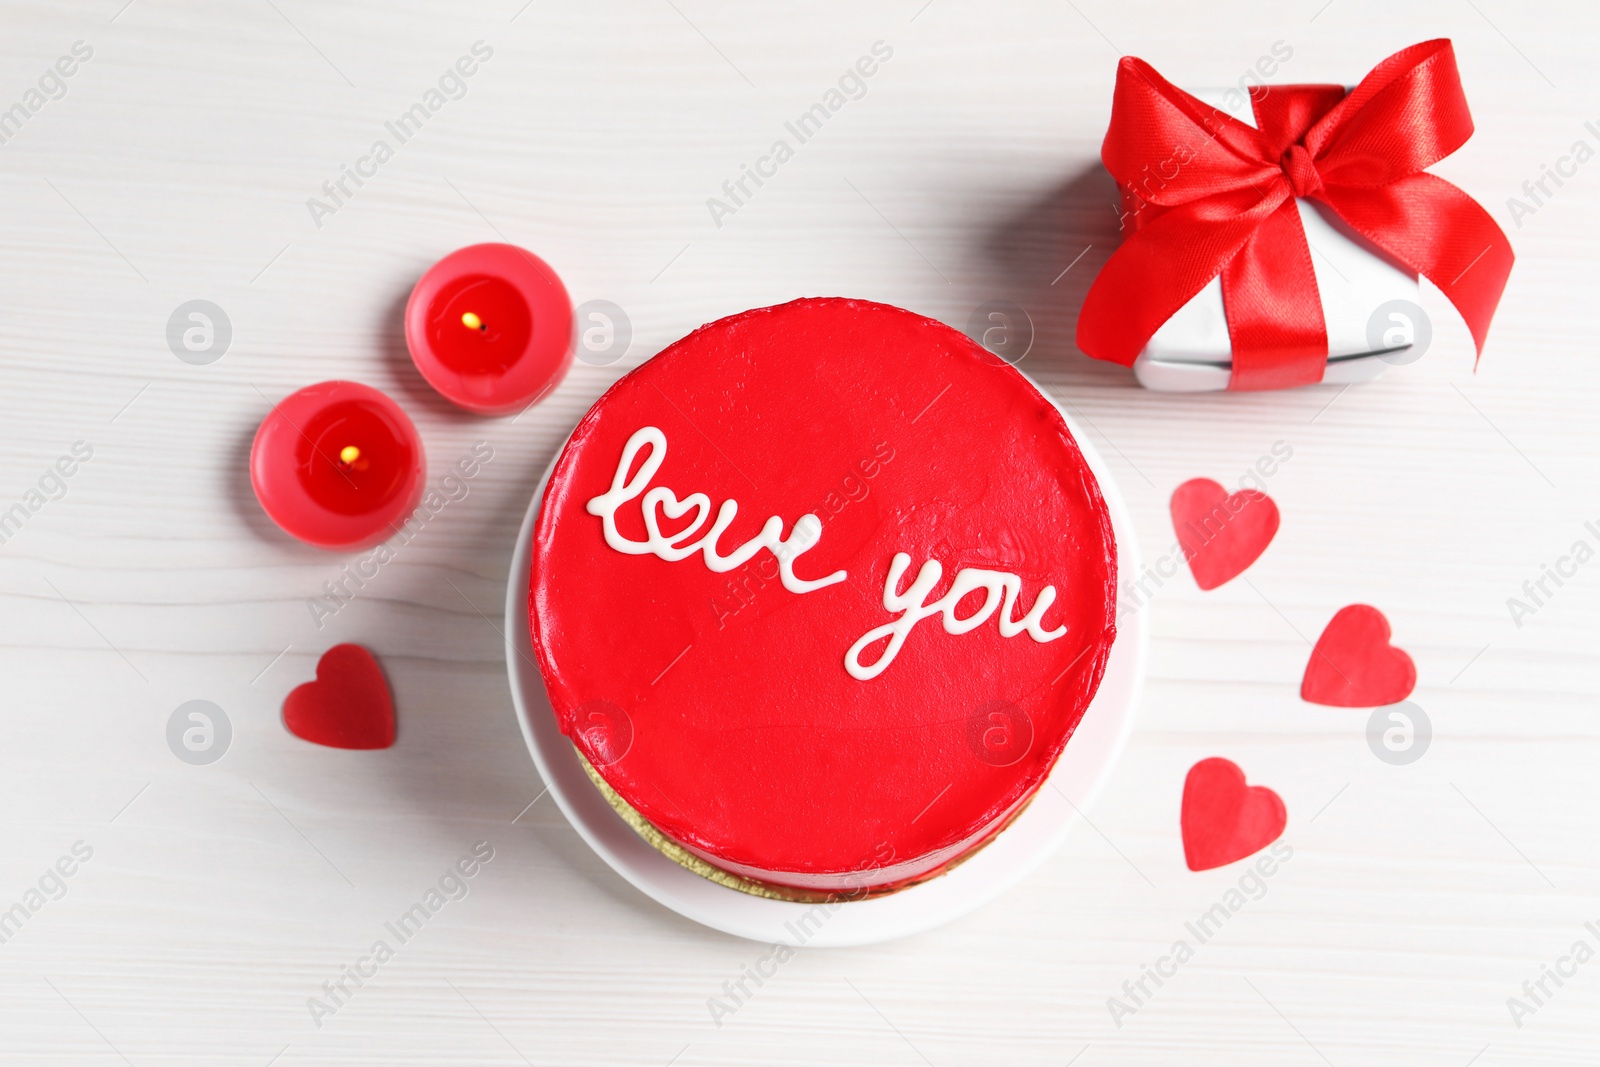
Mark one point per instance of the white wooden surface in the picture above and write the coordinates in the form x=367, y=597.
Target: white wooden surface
x=220, y=898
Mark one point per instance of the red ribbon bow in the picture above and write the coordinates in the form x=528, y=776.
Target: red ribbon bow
x=1228, y=208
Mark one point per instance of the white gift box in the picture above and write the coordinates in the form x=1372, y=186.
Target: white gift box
x=1191, y=352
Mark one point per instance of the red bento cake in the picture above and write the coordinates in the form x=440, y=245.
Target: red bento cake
x=821, y=592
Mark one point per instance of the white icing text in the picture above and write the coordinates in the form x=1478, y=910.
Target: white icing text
x=1001, y=589
x=805, y=533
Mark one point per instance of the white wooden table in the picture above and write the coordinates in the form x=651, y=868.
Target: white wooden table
x=177, y=166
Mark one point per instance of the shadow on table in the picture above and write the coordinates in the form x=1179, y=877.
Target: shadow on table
x=1045, y=255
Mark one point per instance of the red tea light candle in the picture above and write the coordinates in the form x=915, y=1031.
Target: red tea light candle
x=490, y=327
x=338, y=465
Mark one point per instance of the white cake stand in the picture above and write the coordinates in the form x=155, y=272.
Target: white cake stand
x=1083, y=768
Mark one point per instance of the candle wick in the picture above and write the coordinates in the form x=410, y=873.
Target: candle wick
x=349, y=454
x=473, y=322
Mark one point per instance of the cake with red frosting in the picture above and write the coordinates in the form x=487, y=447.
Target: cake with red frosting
x=820, y=594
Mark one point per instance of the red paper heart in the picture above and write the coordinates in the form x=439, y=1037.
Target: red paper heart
x=1354, y=666
x=348, y=706
x=1223, y=818
x=1220, y=534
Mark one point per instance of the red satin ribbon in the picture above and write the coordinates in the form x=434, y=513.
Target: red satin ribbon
x=1218, y=198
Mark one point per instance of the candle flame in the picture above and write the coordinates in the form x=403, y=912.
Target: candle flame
x=349, y=454
x=472, y=322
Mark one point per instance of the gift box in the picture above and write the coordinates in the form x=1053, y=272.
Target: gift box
x=1192, y=353
x=1276, y=239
